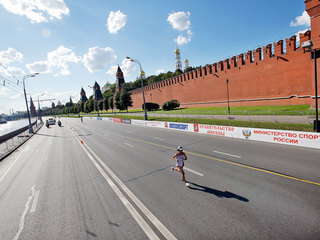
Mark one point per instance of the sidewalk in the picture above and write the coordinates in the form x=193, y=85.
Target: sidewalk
x=256, y=118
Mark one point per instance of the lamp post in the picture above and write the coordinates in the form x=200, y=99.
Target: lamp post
x=227, y=81
x=141, y=75
x=315, y=55
x=25, y=97
x=39, y=107
x=95, y=99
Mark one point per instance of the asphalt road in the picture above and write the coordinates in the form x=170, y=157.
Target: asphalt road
x=117, y=184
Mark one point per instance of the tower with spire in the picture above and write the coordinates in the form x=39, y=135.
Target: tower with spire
x=120, y=79
x=83, y=97
x=186, y=64
x=97, y=92
x=32, y=108
x=178, y=59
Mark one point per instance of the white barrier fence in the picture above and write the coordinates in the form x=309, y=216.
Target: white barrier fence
x=294, y=138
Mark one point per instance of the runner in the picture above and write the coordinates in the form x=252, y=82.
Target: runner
x=180, y=157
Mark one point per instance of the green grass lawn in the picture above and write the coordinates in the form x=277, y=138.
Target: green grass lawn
x=249, y=110
x=251, y=124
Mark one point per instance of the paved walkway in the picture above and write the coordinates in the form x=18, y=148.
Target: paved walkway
x=257, y=118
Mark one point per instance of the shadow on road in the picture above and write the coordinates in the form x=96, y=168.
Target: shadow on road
x=225, y=194
x=161, y=169
x=48, y=135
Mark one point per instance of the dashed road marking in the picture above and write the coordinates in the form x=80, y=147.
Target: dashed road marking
x=228, y=154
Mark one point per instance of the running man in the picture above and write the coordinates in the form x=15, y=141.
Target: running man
x=180, y=157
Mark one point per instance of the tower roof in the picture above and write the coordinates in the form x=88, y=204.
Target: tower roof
x=119, y=69
x=177, y=51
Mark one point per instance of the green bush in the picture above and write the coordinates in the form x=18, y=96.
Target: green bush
x=151, y=106
x=170, y=105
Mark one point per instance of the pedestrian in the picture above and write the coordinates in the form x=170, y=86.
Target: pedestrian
x=180, y=157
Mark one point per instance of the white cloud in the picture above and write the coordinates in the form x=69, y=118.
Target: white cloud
x=63, y=97
x=127, y=68
x=57, y=60
x=180, y=40
x=4, y=91
x=17, y=96
x=116, y=21
x=97, y=58
x=46, y=32
x=37, y=11
x=39, y=66
x=302, y=32
x=13, y=71
x=160, y=71
x=304, y=19
x=179, y=20
x=10, y=55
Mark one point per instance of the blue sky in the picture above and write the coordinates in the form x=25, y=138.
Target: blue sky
x=73, y=43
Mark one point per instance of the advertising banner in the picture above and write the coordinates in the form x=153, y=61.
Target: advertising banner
x=117, y=120
x=179, y=126
x=295, y=138
x=126, y=121
x=154, y=124
x=138, y=122
x=225, y=131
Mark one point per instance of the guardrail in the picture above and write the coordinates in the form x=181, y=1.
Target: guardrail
x=11, y=141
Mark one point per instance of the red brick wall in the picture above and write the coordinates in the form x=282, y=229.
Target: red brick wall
x=268, y=76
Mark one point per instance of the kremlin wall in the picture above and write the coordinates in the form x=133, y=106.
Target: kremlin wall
x=281, y=73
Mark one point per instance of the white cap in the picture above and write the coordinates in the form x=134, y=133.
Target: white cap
x=180, y=148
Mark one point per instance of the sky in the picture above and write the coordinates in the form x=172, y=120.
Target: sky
x=73, y=43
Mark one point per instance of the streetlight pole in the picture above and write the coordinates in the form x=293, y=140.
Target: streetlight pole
x=39, y=107
x=95, y=100
x=25, y=97
x=316, y=124
x=141, y=74
x=227, y=81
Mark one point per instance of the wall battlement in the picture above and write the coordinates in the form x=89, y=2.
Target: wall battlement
x=270, y=74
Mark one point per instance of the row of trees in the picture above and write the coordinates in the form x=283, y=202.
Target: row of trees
x=112, y=100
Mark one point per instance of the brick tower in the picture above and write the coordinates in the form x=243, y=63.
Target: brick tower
x=120, y=79
x=313, y=9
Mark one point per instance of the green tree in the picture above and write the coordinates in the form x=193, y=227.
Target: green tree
x=108, y=93
x=100, y=105
x=125, y=99
x=106, y=104
x=81, y=106
x=116, y=100
x=110, y=102
x=89, y=106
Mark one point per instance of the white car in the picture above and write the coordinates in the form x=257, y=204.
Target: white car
x=52, y=121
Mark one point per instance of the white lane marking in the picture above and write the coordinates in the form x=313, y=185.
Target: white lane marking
x=231, y=155
x=35, y=202
x=145, y=227
x=195, y=172
x=21, y=224
x=106, y=135
x=129, y=145
x=158, y=138
x=14, y=162
x=166, y=233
